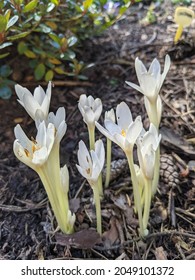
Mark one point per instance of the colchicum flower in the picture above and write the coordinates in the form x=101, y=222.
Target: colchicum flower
x=42, y=155
x=90, y=167
x=126, y=131
x=37, y=105
x=150, y=82
x=91, y=110
x=147, y=146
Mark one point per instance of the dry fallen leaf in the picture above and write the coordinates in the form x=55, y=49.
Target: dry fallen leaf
x=160, y=253
x=84, y=239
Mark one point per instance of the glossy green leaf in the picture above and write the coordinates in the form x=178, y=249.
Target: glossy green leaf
x=49, y=76
x=3, y=23
x=18, y=36
x=72, y=41
x=55, y=2
x=30, y=6
x=22, y=47
x=4, y=55
x=4, y=45
x=39, y=71
x=30, y=54
x=55, y=38
x=12, y=21
x=87, y=4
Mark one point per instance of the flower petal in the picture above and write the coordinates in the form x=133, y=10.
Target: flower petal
x=123, y=115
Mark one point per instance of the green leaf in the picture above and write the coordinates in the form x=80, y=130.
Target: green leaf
x=49, y=76
x=30, y=6
x=22, y=47
x=87, y=4
x=5, y=92
x=3, y=23
x=18, y=36
x=72, y=41
x=55, y=2
x=12, y=21
x=4, y=45
x=30, y=54
x=4, y=55
x=39, y=71
x=55, y=38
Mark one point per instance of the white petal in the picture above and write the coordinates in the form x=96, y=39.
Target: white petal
x=100, y=152
x=123, y=115
x=84, y=157
x=61, y=131
x=40, y=156
x=41, y=134
x=22, y=138
x=136, y=87
x=166, y=68
x=104, y=131
x=112, y=127
x=31, y=105
x=110, y=115
x=39, y=95
x=21, y=155
x=134, y=130
x=155, y=68
x=64, y=175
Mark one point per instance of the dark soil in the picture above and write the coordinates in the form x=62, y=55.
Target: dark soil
x=27, y=224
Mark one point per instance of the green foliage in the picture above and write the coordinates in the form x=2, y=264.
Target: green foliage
x=47, y=33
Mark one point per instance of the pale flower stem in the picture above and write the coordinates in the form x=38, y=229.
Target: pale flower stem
x=91, y=131
x=156, y=171
x=100, y=187
x=52, y=199
x=137, y=196
x=153, y=116
x=108, y=162
x=98, y=208
x=147, y=202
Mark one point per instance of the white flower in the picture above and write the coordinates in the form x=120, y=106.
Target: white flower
x=110, y=115
x=150, y=111
x=37, y=105
x=150, y=82
x=90, y=109
x=91, y=164
x=146, y=148
x=126, y=131
x=34, y=152
x=64, y=175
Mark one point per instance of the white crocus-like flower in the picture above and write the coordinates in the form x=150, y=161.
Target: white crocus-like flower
x=90, y=167
x=42, y=155
x=90, y=109
x=126, y=131
x=64, y=175
x=34, y=153
x=37, y=105
x=147, y=146
x=91, y=164
x=110, y=115
x=150, y=82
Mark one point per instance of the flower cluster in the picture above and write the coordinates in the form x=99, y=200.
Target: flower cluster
x=42, y=154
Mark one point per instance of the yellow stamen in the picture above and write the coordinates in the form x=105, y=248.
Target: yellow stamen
x=123, y=133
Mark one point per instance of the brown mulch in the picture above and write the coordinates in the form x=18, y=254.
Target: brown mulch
x=27, y=224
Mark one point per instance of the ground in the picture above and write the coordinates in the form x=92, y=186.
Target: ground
x=27, y=225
